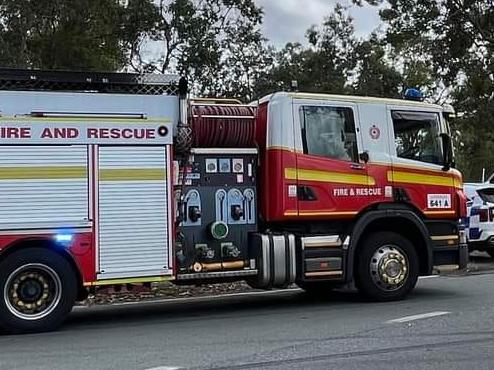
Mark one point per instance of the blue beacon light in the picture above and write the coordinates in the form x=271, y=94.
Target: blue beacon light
x=414, y=94
x=64, y=238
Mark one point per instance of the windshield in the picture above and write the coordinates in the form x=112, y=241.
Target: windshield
x=487, y=195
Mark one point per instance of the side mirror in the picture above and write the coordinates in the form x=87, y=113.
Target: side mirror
x=447, y=151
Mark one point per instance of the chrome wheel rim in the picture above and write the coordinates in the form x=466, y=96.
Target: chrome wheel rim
x=389, y=268
x=32, y=291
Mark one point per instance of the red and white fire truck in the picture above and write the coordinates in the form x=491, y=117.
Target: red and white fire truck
x=121, y=179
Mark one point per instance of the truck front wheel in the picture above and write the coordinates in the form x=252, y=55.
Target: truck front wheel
x=38, y=289
x=387, y=267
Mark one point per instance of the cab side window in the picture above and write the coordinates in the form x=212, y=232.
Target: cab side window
x=329, y=132
x=417, y=136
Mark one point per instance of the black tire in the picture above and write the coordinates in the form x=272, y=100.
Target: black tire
x=52, y=274
x=316, y=288
x=490, y=252
x=377, y=251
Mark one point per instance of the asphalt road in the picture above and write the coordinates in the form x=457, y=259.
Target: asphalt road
x=447, y=323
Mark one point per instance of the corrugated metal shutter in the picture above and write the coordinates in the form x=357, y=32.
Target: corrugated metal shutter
x=133, y=212
x=43, y=186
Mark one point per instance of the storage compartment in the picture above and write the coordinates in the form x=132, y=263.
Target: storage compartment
x=134, y=211
x=43, y=186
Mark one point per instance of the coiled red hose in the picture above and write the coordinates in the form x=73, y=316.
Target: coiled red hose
x=211, y=130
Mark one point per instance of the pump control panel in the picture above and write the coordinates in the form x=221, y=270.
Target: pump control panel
x=218, y=208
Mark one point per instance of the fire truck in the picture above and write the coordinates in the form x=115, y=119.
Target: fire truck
x=110, y=179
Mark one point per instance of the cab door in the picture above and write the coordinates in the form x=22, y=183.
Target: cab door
x=330, y=176
x=417, y=171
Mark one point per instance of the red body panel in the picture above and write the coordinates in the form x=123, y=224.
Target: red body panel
x=275, y=200
x=345, y=189
x=81, y=249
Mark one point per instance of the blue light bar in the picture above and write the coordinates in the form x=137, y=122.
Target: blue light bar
x=414, y=94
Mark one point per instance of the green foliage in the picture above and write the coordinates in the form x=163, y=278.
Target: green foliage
x=450, y=44
x=444, y=47
x=218, y=44
x=335, y=61
x=323, y=66
x=66, y=34
x=376, y=74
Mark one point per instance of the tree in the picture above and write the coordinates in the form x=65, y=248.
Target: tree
x=324, y=65
x=68, y=34
x=375, y=75
x=453, y=41
x=336, y=61
x=218, y=44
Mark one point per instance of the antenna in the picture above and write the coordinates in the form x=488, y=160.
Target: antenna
x=294, y=86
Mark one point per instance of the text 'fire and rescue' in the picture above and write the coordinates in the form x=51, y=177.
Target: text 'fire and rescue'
x=74, y=133
x=344, y=192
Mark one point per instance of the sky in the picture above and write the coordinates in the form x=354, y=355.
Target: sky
x=288, y=20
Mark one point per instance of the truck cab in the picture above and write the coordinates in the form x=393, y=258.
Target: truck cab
x=337, y=156
x=356, y=168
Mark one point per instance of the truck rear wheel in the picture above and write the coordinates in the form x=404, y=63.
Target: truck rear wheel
x=387, y=267
x=38, y=289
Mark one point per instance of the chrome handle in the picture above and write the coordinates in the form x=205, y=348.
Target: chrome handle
x=357, y=166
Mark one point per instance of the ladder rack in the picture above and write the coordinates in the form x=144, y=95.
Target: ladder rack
x=97, y=82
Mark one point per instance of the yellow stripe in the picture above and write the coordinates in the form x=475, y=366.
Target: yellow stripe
x=154, y=279
x=325, y=176
x=320, y=213
x=350, y=213
x=458, y=183
x=84, y=119
x=75, y=172
x=291, y=213
x=453, y=173
x=421, y=179
x=42, y=173
x=131, y=174
x=433, y=213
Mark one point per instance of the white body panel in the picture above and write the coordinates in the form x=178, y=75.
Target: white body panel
x=25, y=102
x=120, y=193
x=43, y=185
x=134, y=211
x=372, y=117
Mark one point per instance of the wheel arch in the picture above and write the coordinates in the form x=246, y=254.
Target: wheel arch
x=44, y=243
x=404, y=222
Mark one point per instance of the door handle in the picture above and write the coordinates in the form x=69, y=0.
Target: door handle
x=357, y=166
x=306, y=193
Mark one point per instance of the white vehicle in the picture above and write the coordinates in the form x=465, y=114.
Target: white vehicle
x=480, y=219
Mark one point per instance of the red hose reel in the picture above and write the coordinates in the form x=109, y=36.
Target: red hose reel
x=223, y=126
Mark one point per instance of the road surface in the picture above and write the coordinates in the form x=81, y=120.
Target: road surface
x=447, y=323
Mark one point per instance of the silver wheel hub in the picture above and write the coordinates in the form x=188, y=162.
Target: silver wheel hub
x=389, y=267
x=32, y=291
